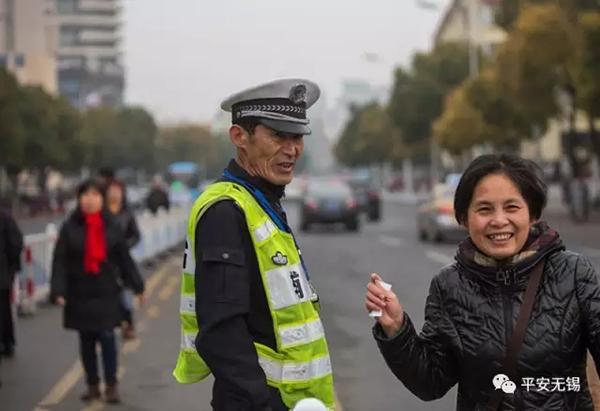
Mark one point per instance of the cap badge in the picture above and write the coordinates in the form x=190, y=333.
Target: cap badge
x=298, y=94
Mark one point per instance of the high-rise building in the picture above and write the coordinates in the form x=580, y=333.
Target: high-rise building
x=28, y=39
x=90, y=67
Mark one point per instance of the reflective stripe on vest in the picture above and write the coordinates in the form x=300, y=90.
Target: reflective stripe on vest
x=300, y=367
x=279, y=280
x=301, y=334
x=295, y=372
x=265, y=231
x=187, y=304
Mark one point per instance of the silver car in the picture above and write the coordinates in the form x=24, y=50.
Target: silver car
x=435, y=216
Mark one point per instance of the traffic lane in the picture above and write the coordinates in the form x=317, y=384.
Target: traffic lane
x=339, y=263
x=583, y=238
x=45, y=369
x=146, y=363
x=44, y=352
x=327, y=252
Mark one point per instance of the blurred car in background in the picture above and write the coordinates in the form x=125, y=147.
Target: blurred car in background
x=329, y=201
x=366, y=193
x=435, y=216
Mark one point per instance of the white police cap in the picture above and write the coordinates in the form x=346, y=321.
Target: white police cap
x=280, y=104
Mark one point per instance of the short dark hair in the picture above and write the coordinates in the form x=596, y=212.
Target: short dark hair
x=90, y=184
x=248, y=123
x=107, y=173
x=525, y=174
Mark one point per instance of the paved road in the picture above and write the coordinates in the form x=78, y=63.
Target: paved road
x=45, y=374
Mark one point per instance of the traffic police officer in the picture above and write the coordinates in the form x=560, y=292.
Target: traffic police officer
x=249, y=313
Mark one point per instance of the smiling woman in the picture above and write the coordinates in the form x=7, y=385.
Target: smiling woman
x=514, y=309
x=497, y=200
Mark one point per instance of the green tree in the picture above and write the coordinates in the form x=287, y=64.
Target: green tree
x=508, y=11
x=11, y=125
x=417, y=95
x=504, y=126
x=194, y=142
x=369, y=138
x=119, y=137
x=98, y=134
x=529, y=69
x=587, y=77
x=51, y=130
x=137, y=132
x=461, y=126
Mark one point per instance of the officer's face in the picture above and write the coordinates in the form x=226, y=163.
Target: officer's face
x=272, y=155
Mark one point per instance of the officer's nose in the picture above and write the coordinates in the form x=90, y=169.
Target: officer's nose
x=291, y=146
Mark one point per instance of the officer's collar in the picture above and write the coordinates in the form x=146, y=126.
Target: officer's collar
x=271, y=190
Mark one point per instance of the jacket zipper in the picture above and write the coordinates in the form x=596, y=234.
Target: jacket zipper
x=507, y=278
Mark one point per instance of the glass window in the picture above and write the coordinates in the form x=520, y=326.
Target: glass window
x=69, y=36
x=66, y=6
x=20, y=60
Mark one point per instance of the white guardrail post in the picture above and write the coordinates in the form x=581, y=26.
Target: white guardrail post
x=159, y=233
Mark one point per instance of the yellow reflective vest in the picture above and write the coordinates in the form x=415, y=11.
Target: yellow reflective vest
x=300, y=367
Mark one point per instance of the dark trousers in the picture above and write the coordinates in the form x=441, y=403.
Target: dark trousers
x=7, y=329
x=87, y=345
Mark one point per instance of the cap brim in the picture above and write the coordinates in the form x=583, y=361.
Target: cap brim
x=285, y=126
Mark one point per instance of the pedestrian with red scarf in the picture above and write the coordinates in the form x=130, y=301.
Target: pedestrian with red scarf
x=91, y=265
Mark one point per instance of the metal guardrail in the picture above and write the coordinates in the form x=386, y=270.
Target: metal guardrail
x=159, y=233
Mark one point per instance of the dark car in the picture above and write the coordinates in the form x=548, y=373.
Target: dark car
x=329, y=201
x=368, y=197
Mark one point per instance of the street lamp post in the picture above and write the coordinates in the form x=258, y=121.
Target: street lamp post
x=470, y=19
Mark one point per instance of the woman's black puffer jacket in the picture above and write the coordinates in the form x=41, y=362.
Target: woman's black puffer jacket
x=470, y=314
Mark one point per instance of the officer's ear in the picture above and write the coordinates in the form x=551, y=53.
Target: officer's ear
x=239, y=137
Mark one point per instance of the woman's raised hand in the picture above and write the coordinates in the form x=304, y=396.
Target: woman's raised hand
x=386, y=301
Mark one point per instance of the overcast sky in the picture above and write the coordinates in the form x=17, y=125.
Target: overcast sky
x=183, y=57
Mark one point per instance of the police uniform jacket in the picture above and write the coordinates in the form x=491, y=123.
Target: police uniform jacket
x=231, y=305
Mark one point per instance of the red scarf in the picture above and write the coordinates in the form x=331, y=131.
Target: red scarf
x=95, y=243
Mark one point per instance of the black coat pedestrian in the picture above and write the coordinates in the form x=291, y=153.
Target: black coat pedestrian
x=11, y=245
x=128, y=224
x=156, y=199
x=470, y=315
x=92, y=301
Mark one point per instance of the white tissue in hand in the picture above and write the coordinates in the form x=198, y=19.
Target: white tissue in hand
x=385, y=286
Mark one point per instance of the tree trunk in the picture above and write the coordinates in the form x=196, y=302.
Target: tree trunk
x=594, y=136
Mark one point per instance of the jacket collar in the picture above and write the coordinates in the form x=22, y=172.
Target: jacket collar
x=542, y=242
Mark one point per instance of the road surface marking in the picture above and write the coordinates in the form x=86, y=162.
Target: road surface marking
x=66, y=383
x=153, y=311
x=169, y=288
x=391, y=241
x=338, y=403
x=94, y=406
x=131, y=346
x=155, y=279
x=439, y=257
x=63, y=386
